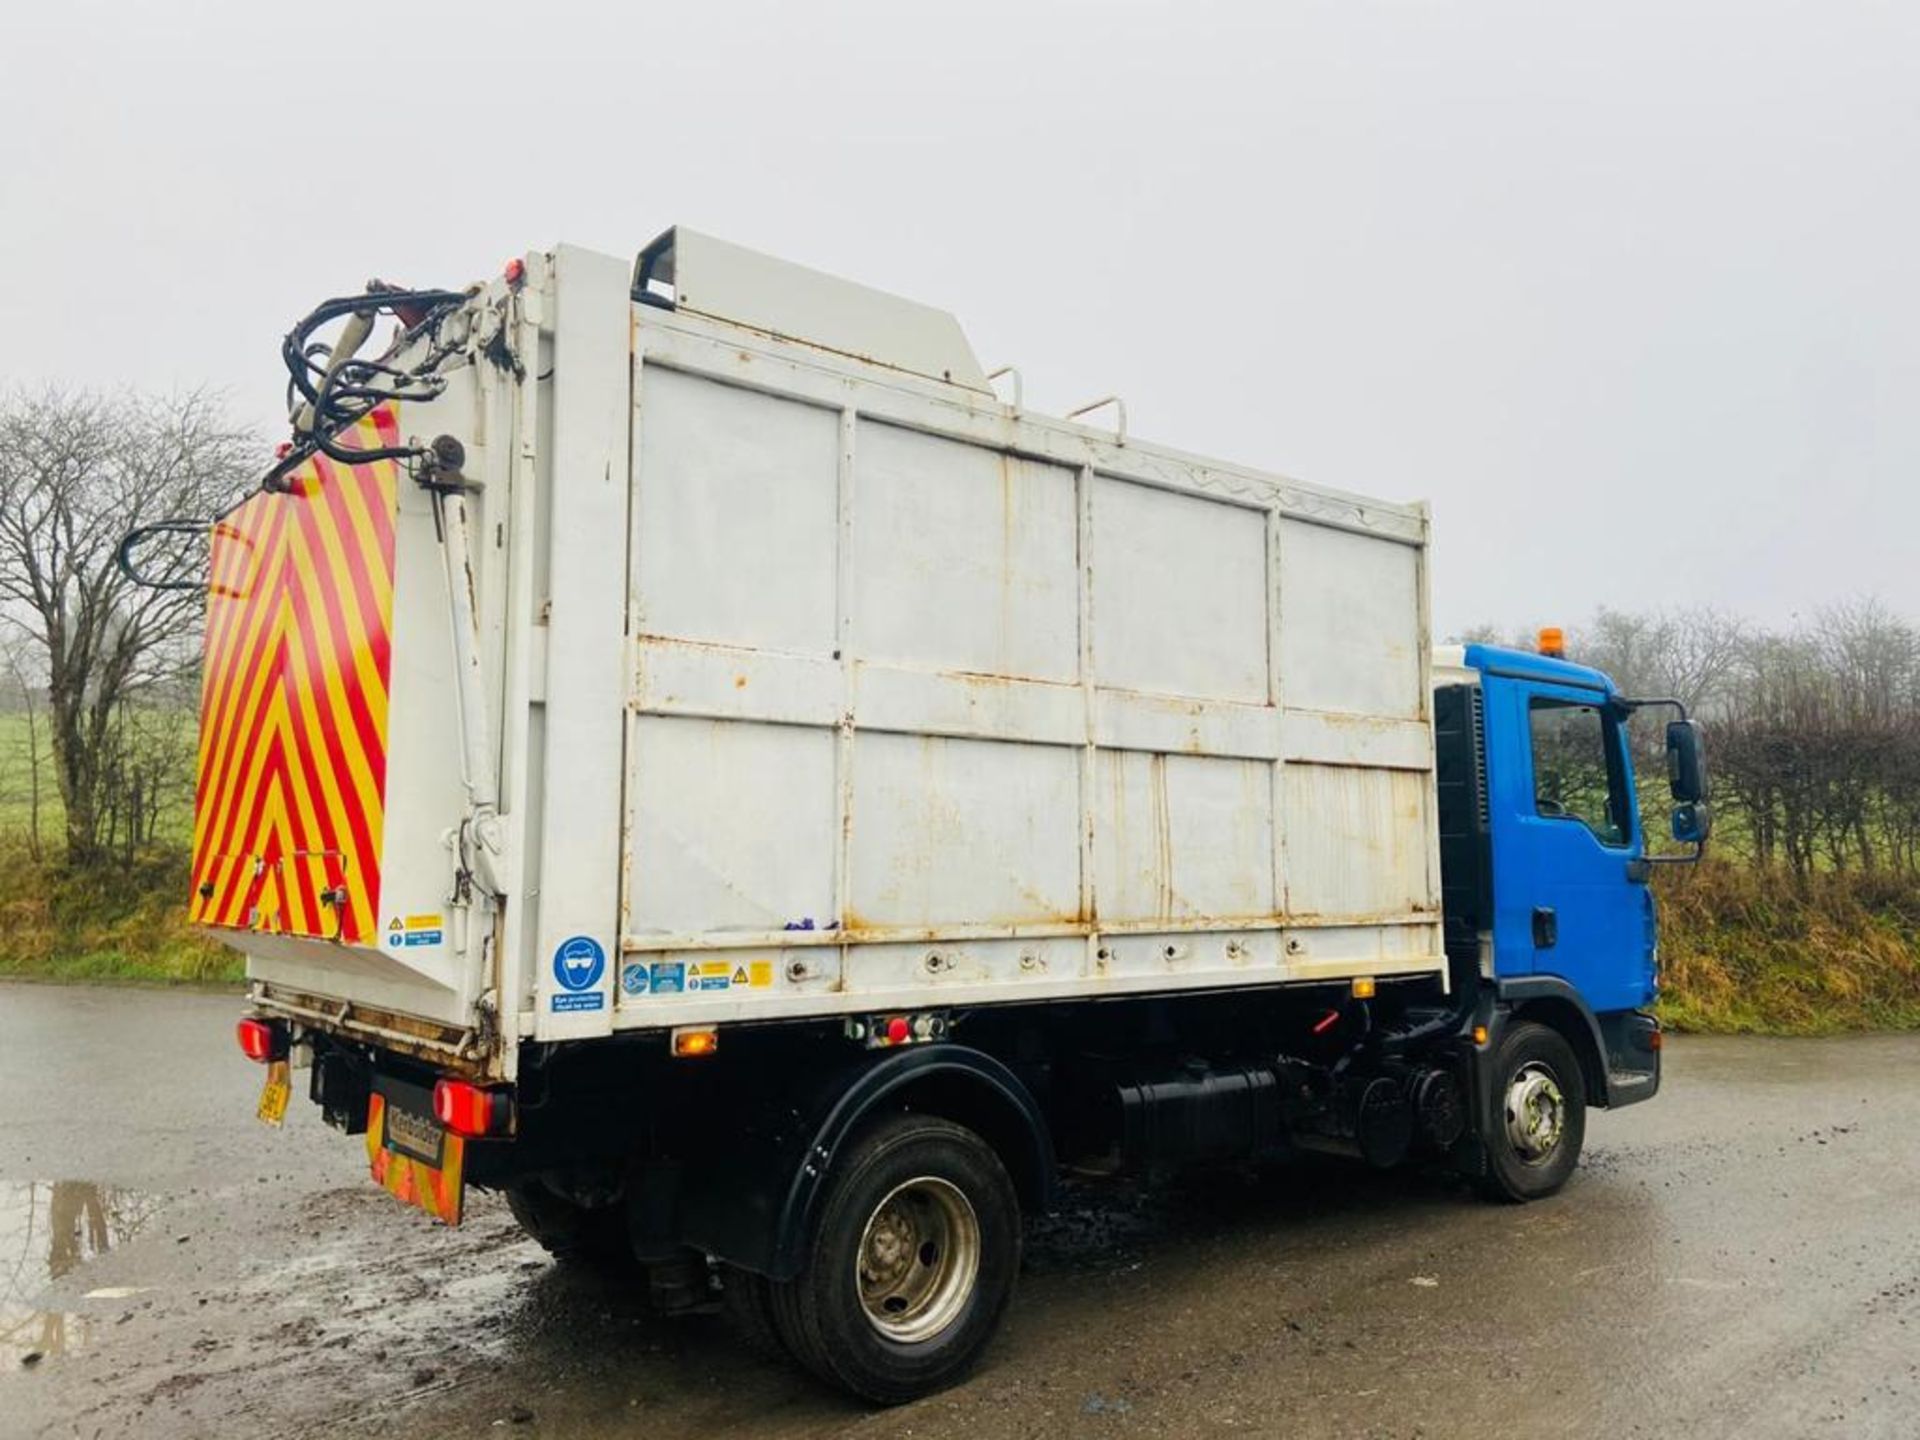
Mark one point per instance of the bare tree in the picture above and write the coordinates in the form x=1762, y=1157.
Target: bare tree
x=1817, y=748
x=77, y=471
x=1814, y=731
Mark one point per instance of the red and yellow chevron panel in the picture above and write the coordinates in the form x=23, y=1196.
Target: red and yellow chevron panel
x=289, y=805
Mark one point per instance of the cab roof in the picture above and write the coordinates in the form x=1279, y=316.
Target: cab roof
x=1528, y=665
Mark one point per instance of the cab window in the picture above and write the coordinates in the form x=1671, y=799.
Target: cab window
x=1577, y=773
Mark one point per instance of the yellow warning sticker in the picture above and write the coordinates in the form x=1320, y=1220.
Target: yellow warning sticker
x=415, y=930
x=710, y=975
x=723, y=974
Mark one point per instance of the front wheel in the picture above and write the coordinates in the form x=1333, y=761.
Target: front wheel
x=912, y=1262
x=1538, y=1118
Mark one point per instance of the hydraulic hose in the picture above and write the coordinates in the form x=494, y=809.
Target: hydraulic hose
x=329, y=389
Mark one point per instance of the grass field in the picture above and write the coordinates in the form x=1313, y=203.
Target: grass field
x=1746, y=951
x=19, y=741
x=118, y=926
x=17, y=780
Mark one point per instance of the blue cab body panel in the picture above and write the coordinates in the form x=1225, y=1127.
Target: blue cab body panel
x=1568, y=901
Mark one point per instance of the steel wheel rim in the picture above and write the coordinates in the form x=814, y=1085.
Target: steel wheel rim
x=1536, y=1113
x=918, y=1259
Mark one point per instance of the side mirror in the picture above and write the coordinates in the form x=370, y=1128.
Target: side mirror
x=1692, y=822
x=1686, y=767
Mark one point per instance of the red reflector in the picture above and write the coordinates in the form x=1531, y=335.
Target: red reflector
x=469, y=1110
x=898, y=1030
x=261, y=1040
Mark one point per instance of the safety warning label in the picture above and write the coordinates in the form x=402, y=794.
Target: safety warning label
x=642, y=978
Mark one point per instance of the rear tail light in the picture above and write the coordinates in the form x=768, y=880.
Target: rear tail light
x=472, y=1110
x=262, y=1040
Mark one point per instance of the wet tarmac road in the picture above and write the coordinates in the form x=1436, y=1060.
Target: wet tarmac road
x=1740, y=1257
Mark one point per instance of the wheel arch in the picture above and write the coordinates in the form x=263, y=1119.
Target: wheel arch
x=1004, y=1115
x=953, y=1082
x=1550, y=1001
x=757, y=1207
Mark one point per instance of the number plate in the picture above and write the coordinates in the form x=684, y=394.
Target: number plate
x=275, y=1093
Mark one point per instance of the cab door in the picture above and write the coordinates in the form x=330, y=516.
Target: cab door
x=1569, y=893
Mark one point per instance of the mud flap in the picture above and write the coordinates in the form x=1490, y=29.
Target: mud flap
x=1632, y=1049
x=410, y=1154
x=1469, y=1157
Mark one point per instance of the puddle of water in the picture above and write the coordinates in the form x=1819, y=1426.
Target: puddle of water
x=48, y=1229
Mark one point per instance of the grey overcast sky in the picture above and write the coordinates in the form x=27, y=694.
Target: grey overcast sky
x=1626, y=290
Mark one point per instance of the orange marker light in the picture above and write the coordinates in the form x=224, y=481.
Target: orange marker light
x=1553, y=641
x=691, y=1041
x=1479, y=1034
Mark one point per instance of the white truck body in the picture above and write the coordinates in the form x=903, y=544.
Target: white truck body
x=819, y=679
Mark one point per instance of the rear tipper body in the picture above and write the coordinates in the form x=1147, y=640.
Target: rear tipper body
x=687, y=739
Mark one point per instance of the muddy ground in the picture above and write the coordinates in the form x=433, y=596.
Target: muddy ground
x=1741, y=1257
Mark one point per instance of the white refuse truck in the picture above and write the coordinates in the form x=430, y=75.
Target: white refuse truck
x=681, y=748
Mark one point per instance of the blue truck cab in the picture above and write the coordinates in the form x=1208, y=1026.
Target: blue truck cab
x=1546, y=862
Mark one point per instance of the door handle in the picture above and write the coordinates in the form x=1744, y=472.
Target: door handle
x=1546, y=927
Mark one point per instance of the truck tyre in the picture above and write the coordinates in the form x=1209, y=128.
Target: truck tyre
x=590, y=1236
x=1537, y=1118
x=912, y=1262
x=746, y=1299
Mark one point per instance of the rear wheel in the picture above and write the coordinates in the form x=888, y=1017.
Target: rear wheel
x=591, y=1235
x=747, y=1300
x=1538, y=1115
x=912, y=1263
